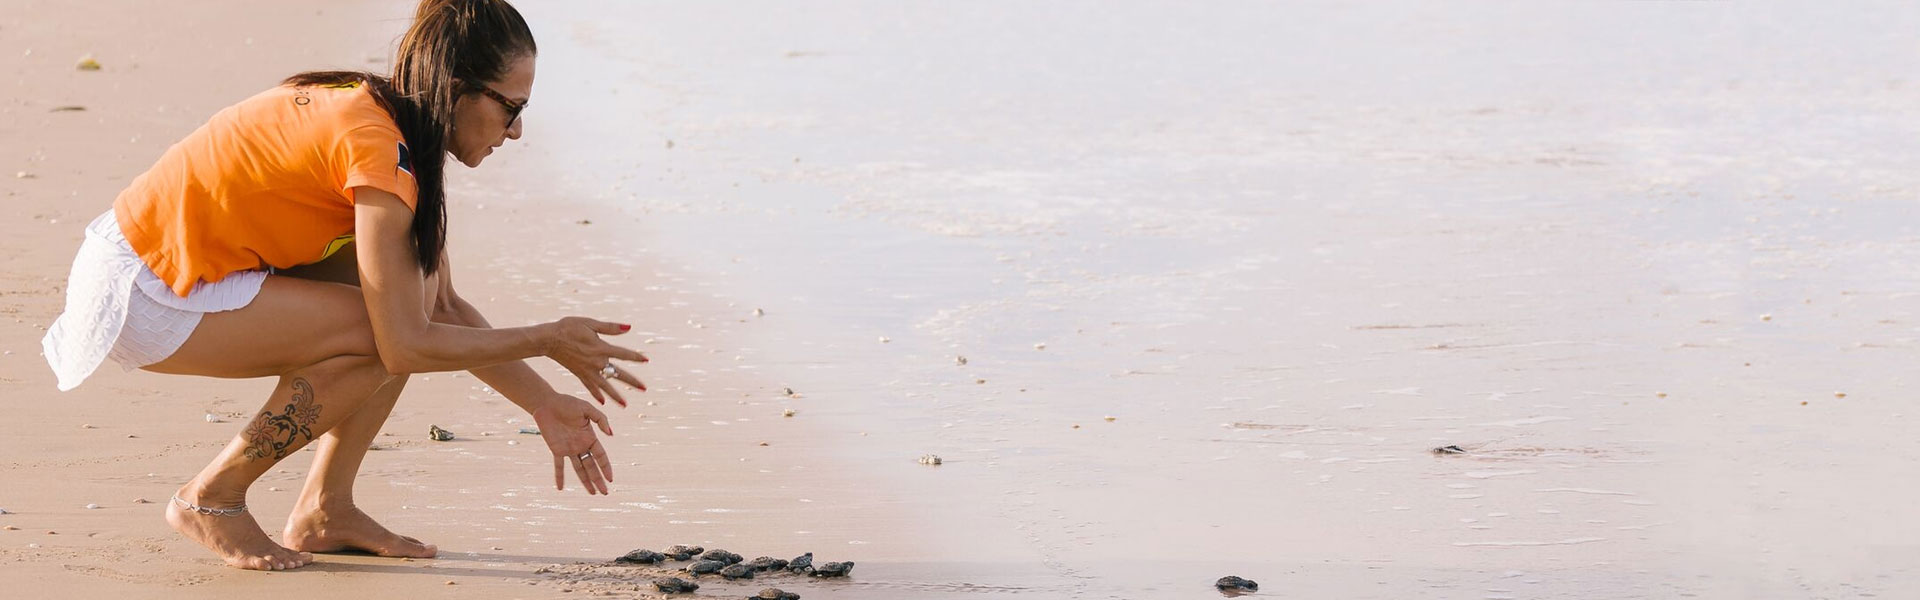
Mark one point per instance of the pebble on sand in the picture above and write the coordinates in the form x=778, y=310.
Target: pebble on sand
x=142, y=501
x=23, y=175
x=1109, y=418
x=213, y=419
x=1766, y=317
x=759, y=313
x=435, y=433
x=87, y=63
x=86, y=426
x=960, y=360
x=787, y=413
x=1659, y=394
x=10, y=528
x=92, y=506
x=929, y=459
x=885, y=339
x=1839, y=394
x=1040, y=346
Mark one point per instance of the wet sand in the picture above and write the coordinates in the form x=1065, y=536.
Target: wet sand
x=1648, y=264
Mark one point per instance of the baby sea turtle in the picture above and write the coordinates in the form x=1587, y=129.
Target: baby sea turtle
x=682, y=551
x=675, y=585
x=1232, y=582
x=722, y=556
x=437, y=434
x=766, y=563
x=801, y=563
x=774, y=594
x=642, y=557
x=833, y=569
x=705, y=567
x=1448, y=450
x=737, y=572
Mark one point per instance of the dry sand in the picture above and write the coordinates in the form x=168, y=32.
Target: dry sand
x=1627, y=256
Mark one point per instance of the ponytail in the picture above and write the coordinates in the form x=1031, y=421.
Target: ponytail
x=470, y=40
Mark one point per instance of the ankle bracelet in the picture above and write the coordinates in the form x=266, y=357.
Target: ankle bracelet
x=217, y=512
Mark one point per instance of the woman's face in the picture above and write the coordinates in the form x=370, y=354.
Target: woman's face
x=480, y=123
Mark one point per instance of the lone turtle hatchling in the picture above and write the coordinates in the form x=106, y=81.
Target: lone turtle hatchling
x=675, y=585
x=1236, y=583
x=774, y=594
x=736, y=572
x=801, y=563
x=642, y=557
x=705, y=567
x=435, y=433
x=722, y=556
x=833, y=569
x=682, y=551
x=766, y=563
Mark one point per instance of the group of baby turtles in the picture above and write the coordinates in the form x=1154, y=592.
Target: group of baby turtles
x=731, y=566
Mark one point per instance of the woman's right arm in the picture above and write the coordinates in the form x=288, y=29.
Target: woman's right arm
x=409, y=342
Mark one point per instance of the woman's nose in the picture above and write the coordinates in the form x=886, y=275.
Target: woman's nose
x=513, y=131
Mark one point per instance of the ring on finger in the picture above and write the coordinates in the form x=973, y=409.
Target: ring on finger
x=586, y=456
x=607, y=372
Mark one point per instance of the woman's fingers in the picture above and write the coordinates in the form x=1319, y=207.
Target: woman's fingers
x=580, y=469
x=600, y=418
x=628, y=378
x=559, y=473
x=606, y=464
x=599, y=477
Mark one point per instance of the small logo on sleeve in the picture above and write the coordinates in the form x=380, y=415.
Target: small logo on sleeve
x=406, y=160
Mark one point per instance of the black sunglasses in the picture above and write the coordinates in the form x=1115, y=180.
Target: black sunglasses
x=513, y=109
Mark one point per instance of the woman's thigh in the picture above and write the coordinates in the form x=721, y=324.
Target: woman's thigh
x=291, y=324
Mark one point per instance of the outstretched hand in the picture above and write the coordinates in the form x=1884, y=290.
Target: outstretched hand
x=567, y=424
x=581, y=350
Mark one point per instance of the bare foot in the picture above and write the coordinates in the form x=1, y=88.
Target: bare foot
x=237, y=539
x=336, y=529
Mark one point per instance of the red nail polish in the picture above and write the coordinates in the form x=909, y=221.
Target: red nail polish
x=625, y=327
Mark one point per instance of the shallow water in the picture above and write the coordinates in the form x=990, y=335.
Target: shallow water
x=1628, y=255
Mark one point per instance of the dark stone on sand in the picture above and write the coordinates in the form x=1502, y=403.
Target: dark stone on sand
x=1448, y=450
x=833, y=569
x=801, y=563
x=675, y=585
x=641, y=557
x=736, y=572
x=435, y=433
x=722, y=556
x=766, y=563
x=704, y=567
x=1234, y=582
x=774, y=594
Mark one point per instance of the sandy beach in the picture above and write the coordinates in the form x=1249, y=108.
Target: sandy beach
x=1175, y=292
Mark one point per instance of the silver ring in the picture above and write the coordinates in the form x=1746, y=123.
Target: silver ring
x=585, y=456
x=607, y=372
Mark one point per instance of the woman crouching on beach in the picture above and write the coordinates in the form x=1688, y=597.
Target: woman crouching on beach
x=300, y=234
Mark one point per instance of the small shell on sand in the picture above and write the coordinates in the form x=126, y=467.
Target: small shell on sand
x=929, y=459
x=1659, y=394
x=1839, y=394
x=1766, y=317
x=10, y=528
x=885, y=339
x=787, y=413
x=142, y=501
x=93, y=506
x=213, y=419
x=759, y=313
x=1040, y=346
x=86, y=426
x=87, y=63
x=960, y=360
x=1110, y=418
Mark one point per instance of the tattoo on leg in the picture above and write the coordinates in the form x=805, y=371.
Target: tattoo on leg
x=276, y=436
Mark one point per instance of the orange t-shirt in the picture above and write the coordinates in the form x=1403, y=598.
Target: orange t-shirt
x=266, y=182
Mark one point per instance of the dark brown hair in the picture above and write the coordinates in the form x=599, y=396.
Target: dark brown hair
x=470, y=40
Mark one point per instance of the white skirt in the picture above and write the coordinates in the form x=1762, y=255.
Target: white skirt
x=118, y=308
